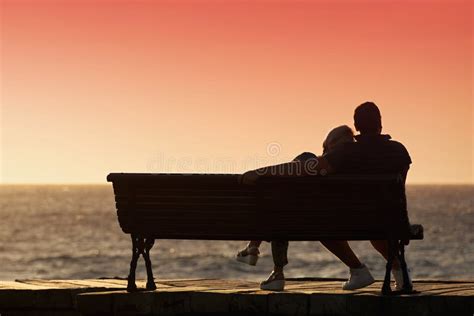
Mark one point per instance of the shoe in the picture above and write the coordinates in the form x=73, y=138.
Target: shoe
x=398, y=276
x=248, y=256
x=359, y=278
x=275, y=282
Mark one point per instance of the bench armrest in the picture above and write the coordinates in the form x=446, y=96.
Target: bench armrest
x=416, y=231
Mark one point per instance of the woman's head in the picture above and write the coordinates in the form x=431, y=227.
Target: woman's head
x=338, y=135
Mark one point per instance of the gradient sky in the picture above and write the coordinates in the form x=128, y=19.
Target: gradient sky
x=92, y=87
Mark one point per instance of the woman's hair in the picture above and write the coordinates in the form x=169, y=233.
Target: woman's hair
x=338, y=135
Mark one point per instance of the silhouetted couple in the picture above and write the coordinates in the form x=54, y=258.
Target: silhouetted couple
x=370, y=152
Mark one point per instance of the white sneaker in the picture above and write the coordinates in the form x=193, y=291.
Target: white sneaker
x=248, y=256
x=359, y=278
x=398, y=276
x=275, y=282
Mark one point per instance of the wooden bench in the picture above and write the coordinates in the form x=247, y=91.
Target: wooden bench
x=219, y=207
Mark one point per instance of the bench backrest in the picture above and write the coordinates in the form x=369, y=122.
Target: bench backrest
x=217, y=207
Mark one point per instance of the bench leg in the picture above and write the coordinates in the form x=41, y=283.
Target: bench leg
x=407, y=286
x=150, y=283
x=141, y=246
x=131, y=286
x=386, y=289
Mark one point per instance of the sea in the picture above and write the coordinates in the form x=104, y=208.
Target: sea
x=72, y=232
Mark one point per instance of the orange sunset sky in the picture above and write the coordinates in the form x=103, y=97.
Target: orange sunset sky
x=91, y=87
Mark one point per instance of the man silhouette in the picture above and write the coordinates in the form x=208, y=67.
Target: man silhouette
x=372, y=153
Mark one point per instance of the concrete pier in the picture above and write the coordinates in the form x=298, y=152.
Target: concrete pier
x=231, y=297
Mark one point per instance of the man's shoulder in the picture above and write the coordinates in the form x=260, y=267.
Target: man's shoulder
x=397, y=145
x=381, y=142
x=400, y=151
x=364, y=154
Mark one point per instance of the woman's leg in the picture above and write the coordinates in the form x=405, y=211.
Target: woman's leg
x=254, y=244
x=276, y=280
x=252, y=248
x=280, y=255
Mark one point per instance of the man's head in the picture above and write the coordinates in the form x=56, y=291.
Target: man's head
x=367, y=118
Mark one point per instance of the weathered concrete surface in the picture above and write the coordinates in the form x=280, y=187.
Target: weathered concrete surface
x=205, y=296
